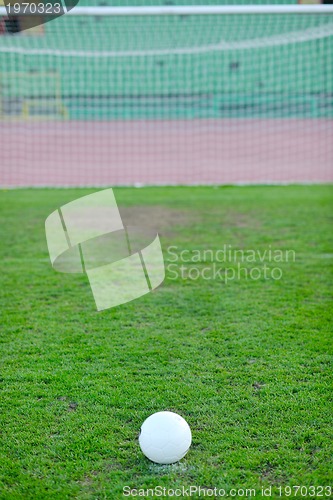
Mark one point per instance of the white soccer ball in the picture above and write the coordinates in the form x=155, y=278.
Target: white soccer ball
x=165, y=437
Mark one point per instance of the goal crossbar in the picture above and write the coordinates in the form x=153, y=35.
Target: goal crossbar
x=179, y=10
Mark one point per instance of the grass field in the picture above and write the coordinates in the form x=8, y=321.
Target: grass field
x=247, y=363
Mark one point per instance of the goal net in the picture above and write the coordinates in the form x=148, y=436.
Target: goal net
x=180, y=98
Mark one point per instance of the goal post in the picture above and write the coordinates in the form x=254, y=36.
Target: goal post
x=185, y=10
x=31, y=95
x=169, y=95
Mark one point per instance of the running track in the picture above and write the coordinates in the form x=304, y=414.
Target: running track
x=79, y=153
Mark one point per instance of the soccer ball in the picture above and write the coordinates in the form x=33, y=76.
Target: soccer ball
x=165, y=437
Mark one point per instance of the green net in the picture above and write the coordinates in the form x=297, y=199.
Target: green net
x=225, y=94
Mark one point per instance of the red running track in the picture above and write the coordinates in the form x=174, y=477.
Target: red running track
x=80, y=153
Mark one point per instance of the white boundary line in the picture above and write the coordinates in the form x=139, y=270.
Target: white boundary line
x=214, y=185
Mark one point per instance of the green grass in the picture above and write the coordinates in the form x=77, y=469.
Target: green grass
x=248, y=363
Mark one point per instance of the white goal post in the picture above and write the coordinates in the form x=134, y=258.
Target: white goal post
x=188, y=10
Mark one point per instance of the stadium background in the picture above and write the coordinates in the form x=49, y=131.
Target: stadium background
x=146, y=100
x=255, y=89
